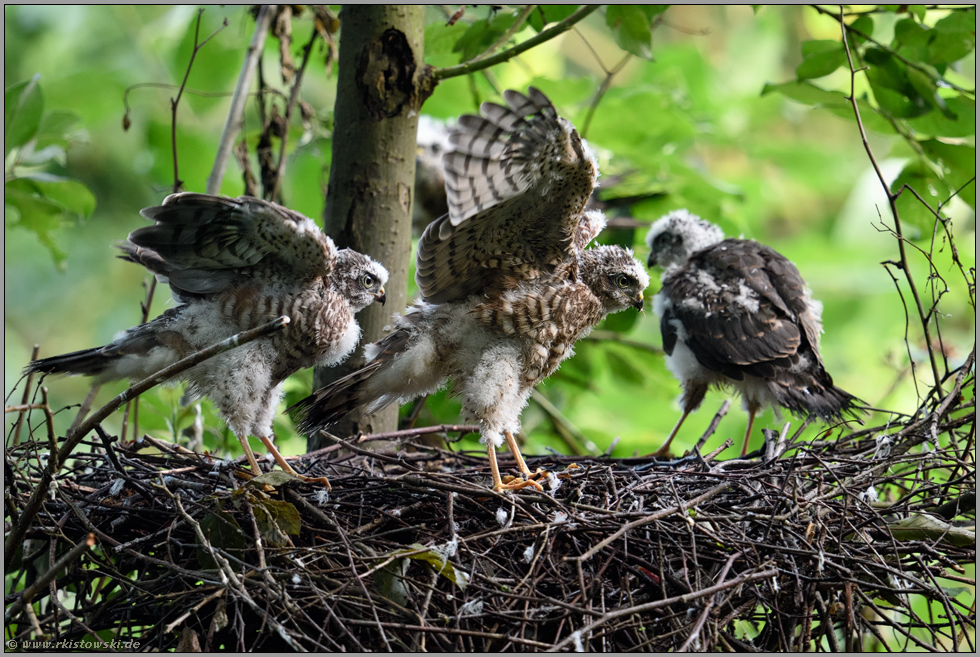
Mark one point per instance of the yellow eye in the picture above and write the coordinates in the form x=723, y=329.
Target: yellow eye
x=622, y=280
x=367, y=280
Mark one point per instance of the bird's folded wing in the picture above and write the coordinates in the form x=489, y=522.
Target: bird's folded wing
x=731, y=311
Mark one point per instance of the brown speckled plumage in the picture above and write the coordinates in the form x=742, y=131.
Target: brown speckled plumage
x=233, y=265
x=506, y=283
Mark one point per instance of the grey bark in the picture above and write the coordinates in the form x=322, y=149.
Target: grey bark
x=381, y=85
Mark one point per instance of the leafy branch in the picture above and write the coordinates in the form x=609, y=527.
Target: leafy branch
x=478, y=64
x=931, y=73
x=903, y=262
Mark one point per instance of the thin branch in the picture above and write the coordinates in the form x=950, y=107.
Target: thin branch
x=151, y=288
x=568, y=432
x=545, y=35
x=175, y=102
x=603, y=89
x=653, y=517
x=614, y=336
x=293, y=96
x=66, y=559
x=892, y=202
x=508, y=33
x=25, y=397
x=233, y=122
x=463, y=429
x=659, y=604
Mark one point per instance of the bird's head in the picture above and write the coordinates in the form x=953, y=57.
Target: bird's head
x=360, y=279
x=675, y=237
x=614, y=276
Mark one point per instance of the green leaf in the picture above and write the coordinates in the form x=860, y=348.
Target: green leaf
x=222, y=531
x=926, y=86
x=960, y=121
x=482, y=34
x=919, y=176
x=442, y=39
x=71, y=195
x=275, y=519
x=23, y=105
x=919, y=11
x=39, y=205
x=58, y=127
x=956, y=37
x=631, y=25
x=806, y=93
x=810, y=94
x=820, y=58
x=893, y=90
x=958, y=164
x=29, y=156
x=546, y=14
x=274, y=478
x=438, y=560
x=864, y=25
x=898, y=104
x=912, y=40
x=390, y=582
x=911, y=34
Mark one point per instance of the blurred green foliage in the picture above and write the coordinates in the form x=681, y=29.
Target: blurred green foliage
x=34, y=140
x=739, y=115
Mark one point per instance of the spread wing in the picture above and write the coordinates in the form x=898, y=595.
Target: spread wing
x=517, y=182
x=202, y=244
x=743, y=309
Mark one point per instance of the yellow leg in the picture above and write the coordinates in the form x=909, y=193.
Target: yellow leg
x=288, y=468
x=665, y=448
x=498, y=484
x=516, y=451
x=249, y=455
x=748, y=431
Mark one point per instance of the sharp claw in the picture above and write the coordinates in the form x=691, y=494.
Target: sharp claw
x=316, y=480
x=517, y=483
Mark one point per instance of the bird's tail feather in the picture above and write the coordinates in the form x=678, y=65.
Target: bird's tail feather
x=334, y=401
x=349, y=393
x=90, y=362
x=827, y=403
x=137, y=353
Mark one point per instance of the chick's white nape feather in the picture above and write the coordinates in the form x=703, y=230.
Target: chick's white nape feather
x=674, y=237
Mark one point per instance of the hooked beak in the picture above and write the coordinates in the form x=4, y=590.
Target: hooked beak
x=651, y=261
x=638, y=304
x=380, y=296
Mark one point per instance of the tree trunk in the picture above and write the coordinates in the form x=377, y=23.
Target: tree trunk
x=381, y=85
